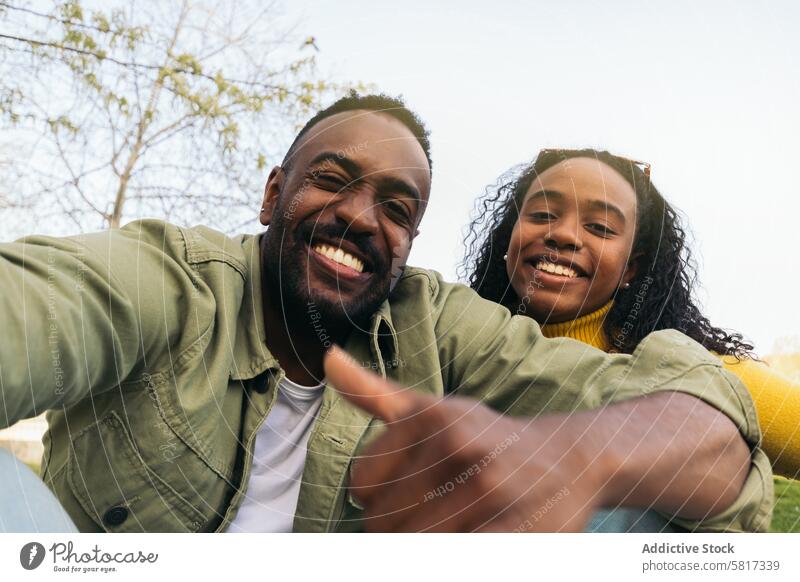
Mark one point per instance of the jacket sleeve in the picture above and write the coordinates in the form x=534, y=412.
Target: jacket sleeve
x=80, y=314
x=506, y=362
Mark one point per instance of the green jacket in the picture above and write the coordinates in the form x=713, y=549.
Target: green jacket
x=147, y=346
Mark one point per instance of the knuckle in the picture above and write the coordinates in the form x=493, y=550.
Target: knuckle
x=437, y=415
x=457, y=443
x=488, y=482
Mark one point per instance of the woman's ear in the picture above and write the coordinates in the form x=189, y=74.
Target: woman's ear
x=272, y=192
x=631, y=269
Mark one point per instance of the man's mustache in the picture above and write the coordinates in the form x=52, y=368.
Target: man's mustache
x=310, y=230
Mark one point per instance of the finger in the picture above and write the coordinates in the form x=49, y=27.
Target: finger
x=438, y=493
x=571, y=521
x=412, y=487
x=375, y=468
x=390, y=457
x=367, y=390
x=434, y=491
x=451, y=511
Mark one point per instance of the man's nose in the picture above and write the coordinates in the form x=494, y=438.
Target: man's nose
x=564, y=234
x=358, y=210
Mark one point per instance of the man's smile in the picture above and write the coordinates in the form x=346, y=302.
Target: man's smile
x=337, y=263
x=339, y=256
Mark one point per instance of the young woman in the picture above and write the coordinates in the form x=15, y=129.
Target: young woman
x=583, y=242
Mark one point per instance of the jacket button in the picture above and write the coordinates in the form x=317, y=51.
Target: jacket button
x=260, y=383
x=115, y=516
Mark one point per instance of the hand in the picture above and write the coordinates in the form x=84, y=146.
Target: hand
x=453, y=464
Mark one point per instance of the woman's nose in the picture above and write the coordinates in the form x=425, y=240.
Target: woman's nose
x=563, y=236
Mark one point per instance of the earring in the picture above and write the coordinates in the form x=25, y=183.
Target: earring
x=505, y=257
x=263, y=209
x=626, y=286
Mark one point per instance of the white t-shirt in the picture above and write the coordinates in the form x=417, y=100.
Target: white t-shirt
x=278, y=461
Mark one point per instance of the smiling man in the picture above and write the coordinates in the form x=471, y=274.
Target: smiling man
x=189, y=389
x=343, y=209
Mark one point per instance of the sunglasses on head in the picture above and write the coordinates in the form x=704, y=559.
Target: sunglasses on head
x=643, y=166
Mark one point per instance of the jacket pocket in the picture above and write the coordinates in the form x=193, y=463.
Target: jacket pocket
x=190, y=414
x=118, y=490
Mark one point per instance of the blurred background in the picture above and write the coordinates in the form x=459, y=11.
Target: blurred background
x=116, y=110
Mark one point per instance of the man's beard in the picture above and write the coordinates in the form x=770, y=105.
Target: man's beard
x=284, y=251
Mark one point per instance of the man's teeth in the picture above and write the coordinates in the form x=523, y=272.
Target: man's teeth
x=339, y=256
x=556, y=269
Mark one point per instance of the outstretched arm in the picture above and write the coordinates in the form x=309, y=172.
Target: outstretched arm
x=81, y=314
x=456, y=465
x=668, y=451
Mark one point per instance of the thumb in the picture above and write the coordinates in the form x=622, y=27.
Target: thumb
x=367, y=390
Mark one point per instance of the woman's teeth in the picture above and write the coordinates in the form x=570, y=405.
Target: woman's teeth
x=556, y=269
x=339, y=256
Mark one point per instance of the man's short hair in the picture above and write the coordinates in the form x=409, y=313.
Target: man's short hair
x=394, y=106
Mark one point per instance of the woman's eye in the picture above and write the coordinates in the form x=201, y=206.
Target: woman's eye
x=541, y=216
x=602, y=229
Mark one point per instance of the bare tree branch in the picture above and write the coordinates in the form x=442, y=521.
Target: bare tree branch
x=168, y=109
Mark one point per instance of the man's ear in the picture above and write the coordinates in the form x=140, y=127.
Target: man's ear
x=272, y=192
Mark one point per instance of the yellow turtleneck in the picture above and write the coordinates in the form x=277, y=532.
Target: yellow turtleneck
x=588, y=328
x=777, y=398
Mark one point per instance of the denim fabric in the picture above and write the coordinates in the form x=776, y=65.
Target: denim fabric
x=26, y=504
x=631, y=520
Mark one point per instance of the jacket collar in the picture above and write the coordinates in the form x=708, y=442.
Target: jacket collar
x=383, y=339
x=251, y=356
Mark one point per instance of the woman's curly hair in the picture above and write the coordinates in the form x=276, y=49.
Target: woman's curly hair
x=660, y=296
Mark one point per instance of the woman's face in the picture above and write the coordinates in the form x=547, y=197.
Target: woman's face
x=570, y=248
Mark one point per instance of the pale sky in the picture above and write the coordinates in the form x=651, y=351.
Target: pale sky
x=707, y=92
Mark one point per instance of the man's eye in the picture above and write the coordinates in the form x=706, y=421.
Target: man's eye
x=330, y=182
x=398, y=209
